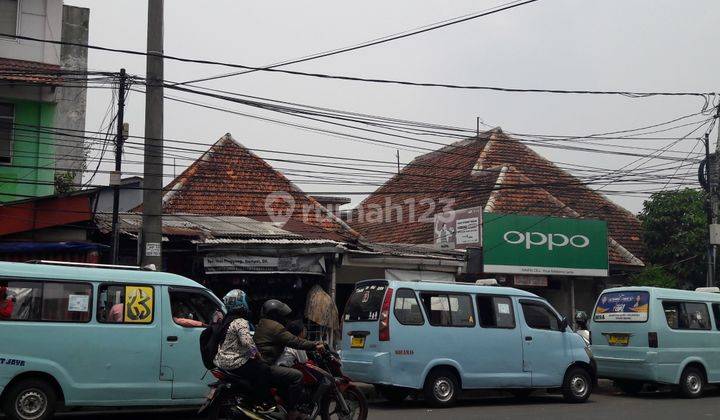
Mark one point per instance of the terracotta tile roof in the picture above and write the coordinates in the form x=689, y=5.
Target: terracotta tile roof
x=230, y=180
x=29, y=71
x=493, y=171
x=417, y=190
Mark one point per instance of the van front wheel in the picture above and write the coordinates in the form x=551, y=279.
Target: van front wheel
x=577, y=385
x=441, y=388
x=31, y=399
x=692, y=383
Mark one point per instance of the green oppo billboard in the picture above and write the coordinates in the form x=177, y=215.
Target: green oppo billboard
x=516, y=244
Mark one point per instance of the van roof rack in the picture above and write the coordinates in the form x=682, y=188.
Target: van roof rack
x=150, y=267
x=486, y=282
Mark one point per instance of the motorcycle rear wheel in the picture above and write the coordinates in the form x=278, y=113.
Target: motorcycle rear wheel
x=355, y=400
x=222, y=409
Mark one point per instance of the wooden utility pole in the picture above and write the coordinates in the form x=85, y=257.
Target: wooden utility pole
x=150, y=240
x=116, y=176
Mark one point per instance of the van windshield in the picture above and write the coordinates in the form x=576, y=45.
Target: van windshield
x=365, y=302
x=630, y=306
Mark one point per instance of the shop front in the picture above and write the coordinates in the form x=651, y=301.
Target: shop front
x=564, y=260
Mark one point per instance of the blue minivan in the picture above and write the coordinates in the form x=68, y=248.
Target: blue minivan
x=644, y=335
x=441, y=338
x=80, y=336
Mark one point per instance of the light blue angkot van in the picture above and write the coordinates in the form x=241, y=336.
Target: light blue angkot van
x=100, y=337
x=645, y=335
x=441, y=338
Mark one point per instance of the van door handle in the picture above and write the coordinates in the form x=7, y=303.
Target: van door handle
x=172, y=338
x=528, y=338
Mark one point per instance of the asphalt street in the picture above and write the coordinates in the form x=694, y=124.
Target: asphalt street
x=601, y=406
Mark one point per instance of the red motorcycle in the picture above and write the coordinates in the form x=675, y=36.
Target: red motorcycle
x=328, y=394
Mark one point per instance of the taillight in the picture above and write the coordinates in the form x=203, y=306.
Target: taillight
x=218, y=374
x=385, y=316
x=652, y=340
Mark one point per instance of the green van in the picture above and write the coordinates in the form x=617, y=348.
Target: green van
x=91, y=336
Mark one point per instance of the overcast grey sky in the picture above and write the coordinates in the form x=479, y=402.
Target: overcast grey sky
x=639, y=45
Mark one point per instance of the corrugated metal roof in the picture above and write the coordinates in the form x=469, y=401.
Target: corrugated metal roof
x=269, y=241
x=199, y=227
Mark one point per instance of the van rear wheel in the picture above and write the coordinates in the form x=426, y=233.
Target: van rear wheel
x=441, y=388
x=692, y=382
x=30, y=399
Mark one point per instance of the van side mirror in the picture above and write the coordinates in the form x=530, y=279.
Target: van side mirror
x=564, y=324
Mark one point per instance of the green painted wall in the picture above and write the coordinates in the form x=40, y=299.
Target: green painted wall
x=32, y=172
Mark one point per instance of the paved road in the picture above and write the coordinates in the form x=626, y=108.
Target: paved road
x=659, y=406
x=611, y=405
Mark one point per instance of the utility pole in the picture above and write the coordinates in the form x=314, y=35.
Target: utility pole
x=116, y=176
x=397, y=155
x=150, y=240
x=713, y=170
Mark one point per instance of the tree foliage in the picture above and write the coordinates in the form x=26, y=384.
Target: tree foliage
x=654, y=276
x=675, y=234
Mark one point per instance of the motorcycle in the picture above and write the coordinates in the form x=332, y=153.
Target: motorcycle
x=327, y=394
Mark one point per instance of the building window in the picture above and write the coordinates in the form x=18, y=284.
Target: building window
x=9, y=16
x=448, y=310
x=495, y=312
x=7, y=120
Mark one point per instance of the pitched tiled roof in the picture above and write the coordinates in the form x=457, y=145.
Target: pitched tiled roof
x=493, y=171
x=29, y=72
x=230, y=180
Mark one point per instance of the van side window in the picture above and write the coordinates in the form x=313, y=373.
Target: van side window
x=407, y=310
x=125, y=304
x=716, y=312
x=687, y=315
x=495, y=312
x=46, y=301
x=192, y=309
x=540, y=317
x=448, y=310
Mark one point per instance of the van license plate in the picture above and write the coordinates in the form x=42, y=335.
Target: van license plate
x=618, y=339
x=357, y=342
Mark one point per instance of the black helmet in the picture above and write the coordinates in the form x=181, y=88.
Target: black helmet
x=275, y=310
x=581, y=317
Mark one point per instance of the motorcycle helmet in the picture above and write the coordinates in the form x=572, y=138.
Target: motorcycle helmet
x=236, y=302
x=581, y=317
x=275, y=310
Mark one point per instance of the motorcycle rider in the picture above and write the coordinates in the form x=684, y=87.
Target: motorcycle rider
x=271, y=338
x=237, y=352
x=581, y=319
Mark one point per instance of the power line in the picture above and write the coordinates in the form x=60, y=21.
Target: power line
x=376, y=41
x=631, y=94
